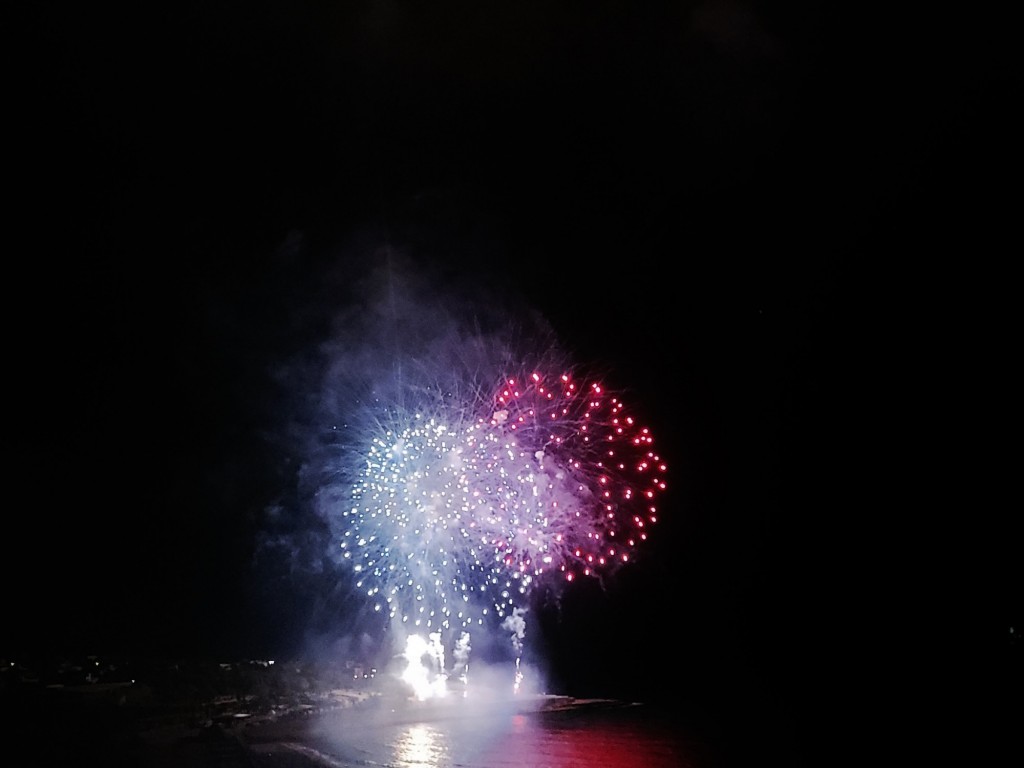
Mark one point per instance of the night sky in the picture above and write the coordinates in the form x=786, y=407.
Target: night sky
x=788, y=232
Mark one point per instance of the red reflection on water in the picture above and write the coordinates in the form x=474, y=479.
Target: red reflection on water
x=594, y=744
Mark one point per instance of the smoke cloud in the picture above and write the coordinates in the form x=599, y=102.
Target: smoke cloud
x=381, y=330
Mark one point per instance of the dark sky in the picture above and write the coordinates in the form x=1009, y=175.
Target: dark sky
x=788, y=230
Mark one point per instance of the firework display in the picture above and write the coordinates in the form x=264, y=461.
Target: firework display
x=460, y=509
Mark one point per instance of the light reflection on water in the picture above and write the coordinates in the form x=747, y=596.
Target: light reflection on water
x=421, y=746
x=621, y=738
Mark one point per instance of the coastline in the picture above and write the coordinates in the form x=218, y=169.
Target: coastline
x=115, y=725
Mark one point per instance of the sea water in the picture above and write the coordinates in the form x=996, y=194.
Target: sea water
x=626, y=736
